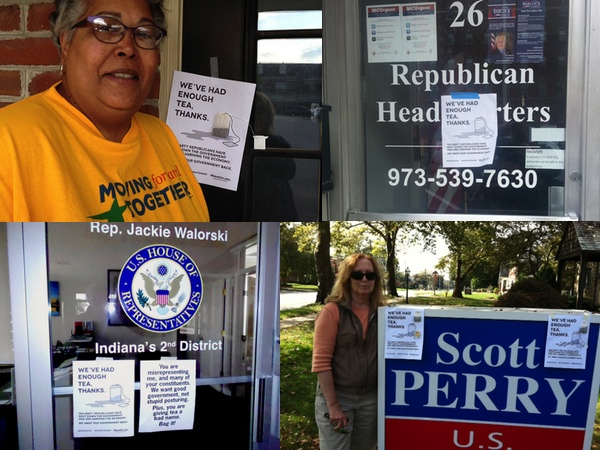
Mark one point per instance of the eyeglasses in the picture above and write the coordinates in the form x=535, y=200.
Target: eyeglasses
x=357, y=275
x=111, y=31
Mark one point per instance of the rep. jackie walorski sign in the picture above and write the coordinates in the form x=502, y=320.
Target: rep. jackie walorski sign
x=482, y=383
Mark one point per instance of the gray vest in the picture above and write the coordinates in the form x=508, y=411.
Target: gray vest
x=354, y=364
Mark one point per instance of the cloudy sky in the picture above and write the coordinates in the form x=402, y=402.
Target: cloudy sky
x=418, y=260
x=276, y=51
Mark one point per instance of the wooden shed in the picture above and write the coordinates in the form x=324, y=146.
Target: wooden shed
x=580, y=244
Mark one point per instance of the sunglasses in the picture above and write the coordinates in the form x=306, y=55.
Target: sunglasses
x=357, y=275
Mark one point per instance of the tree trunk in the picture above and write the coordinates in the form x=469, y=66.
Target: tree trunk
x=457, y=292
x=391, y=270
x=458, y=283
x=323, y=262
x=391, y=264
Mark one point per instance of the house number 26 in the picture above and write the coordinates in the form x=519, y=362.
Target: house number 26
x=474, y=15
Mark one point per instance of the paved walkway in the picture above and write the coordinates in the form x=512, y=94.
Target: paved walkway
x=285, y=323
x=290, y=322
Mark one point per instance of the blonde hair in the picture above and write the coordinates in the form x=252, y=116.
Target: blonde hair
x=341, y=289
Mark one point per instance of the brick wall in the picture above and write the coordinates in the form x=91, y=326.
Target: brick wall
x=29, y=61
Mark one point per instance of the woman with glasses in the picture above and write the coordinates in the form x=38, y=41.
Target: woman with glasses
x=82, y=150
x=345, y=357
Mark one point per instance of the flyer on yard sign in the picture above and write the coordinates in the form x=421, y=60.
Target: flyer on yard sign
x=567, y=341
x=103, y=392
x=404, y=333
x=210, y=118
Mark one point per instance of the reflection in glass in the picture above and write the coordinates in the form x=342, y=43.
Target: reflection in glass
x=293, y=88
x=290, y=20
x=219, y=338
x=297, y=200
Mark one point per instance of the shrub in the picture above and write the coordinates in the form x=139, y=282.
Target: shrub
x=587, y=304
x=532, y=293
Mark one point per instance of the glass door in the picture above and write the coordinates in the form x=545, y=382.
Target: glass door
x=154, y=306
x=8, y=408
x=466, y=107
x=287, y=109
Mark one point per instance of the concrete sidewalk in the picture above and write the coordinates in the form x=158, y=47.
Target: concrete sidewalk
x=290, y=322
x=294, y=299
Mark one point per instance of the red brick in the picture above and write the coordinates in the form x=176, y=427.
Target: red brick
x=10, y=82
x=10, y=18
x=38, y=16
x=3, y=104
x=43, y=81
x=28, y=52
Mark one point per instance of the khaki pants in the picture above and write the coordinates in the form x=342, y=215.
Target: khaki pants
x=361, y=412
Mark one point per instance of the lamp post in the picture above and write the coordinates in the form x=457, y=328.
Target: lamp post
x=407, y=273
x=435, y=281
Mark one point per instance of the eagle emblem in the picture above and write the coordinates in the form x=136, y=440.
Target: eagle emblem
x=160, y=288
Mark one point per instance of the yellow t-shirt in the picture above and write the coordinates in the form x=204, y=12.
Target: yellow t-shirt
x=57, y=167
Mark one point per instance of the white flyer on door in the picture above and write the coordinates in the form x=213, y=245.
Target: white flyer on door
x=402, y=32
x=103, y=393
x=167, y=395
x=469, y=129
x=210, y=118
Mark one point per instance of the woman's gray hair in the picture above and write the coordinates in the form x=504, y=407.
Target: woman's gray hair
x=69, y=12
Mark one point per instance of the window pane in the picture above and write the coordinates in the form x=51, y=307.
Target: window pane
x=416, y=160
x=289, y=74
x=287, y=191
x=297, y=51
x=290, y=20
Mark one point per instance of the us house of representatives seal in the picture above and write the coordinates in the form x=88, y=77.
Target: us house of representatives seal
x=160, y=288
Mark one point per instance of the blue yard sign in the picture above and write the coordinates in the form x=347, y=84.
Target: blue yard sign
x=482, y=383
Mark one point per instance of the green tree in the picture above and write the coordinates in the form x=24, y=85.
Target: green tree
x=323, y=262
x=422, y=279
x=389, y=231
x=348, y=238
x=484, y=275
x=297, y=249
x=529, y=246
x=289, y=252
x=469, y=244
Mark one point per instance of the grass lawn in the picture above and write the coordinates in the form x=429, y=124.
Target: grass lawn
x=298, y=384
x=300, y=287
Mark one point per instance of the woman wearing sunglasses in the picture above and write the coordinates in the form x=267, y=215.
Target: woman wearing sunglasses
x=345, y=357
x=81, y=150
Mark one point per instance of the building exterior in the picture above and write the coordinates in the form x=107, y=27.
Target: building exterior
x=386, y=152
x=506, y=278
x=579, y=254
x=387, y=157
